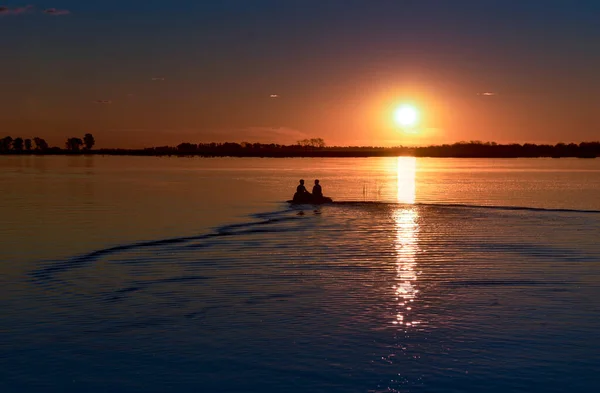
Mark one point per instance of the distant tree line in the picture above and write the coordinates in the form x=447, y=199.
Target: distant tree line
x=19, y=145
x=317, y=148
x=476, y=149
x=311, y=148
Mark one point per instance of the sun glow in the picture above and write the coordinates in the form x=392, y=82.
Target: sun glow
x=406, y=116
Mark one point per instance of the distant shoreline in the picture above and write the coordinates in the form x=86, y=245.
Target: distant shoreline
x=312, y=148
x=345, y=153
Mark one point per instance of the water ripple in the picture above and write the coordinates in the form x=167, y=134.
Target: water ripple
x=379, y=297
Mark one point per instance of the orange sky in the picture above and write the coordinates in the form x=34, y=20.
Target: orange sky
x=145, y=78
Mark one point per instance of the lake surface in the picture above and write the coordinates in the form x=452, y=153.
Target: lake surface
x=145, y=274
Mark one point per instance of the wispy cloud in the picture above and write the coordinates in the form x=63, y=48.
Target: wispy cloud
x=15, y=11
x=4, y=10
x=423, y=137
x=56, y=12
x=166, y=136
x=274, y=96
x=487, y=93
x=282, y=135
x=106, y=102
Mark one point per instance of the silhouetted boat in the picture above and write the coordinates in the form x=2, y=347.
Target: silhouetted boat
x=310, y=200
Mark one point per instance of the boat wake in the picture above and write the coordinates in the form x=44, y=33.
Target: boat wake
x=275, y=222
x=465, y=206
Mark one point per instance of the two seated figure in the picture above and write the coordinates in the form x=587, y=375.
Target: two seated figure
x=303, y=196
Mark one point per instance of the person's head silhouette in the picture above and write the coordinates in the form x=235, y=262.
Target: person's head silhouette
x=316, y=181
x=301, y=181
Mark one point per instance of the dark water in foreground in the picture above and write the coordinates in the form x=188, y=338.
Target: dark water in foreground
x=350, y=297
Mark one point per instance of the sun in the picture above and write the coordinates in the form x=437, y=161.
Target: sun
x=406, y=116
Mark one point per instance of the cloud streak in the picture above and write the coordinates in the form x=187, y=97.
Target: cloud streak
x=15, y=11
x=4, y=10
x=172, y=137
x=56, y=12
x=282, y=135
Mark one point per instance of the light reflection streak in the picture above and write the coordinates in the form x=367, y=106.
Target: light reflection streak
x=406, y=175
x=406, y=243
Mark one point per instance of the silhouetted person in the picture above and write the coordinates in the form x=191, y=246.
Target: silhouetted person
x=317, y=192
x=302, y=194
x=301, y=189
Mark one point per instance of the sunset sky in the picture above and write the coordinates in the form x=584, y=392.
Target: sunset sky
x=144, y=73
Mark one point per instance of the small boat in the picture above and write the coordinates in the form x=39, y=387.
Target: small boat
x=310, y=200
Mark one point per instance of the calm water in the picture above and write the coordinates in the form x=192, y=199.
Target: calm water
x=184, y=274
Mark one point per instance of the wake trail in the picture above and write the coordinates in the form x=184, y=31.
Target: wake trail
x=260, y=226
x=248, y=228
x=465, y=206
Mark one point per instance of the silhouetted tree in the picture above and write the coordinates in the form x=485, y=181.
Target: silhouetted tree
x=18, y=144
x=187, y=147
x=89, y=141
x=74, y=144
x=231, y=146
x=313, y=142
x=28, y=144
x=317, y=142
x=6, y=143
x=40, y=144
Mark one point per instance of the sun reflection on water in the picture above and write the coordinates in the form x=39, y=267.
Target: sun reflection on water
x=406, y=175
x=406, y=244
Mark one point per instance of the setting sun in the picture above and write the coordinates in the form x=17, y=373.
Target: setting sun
x=406, y=116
